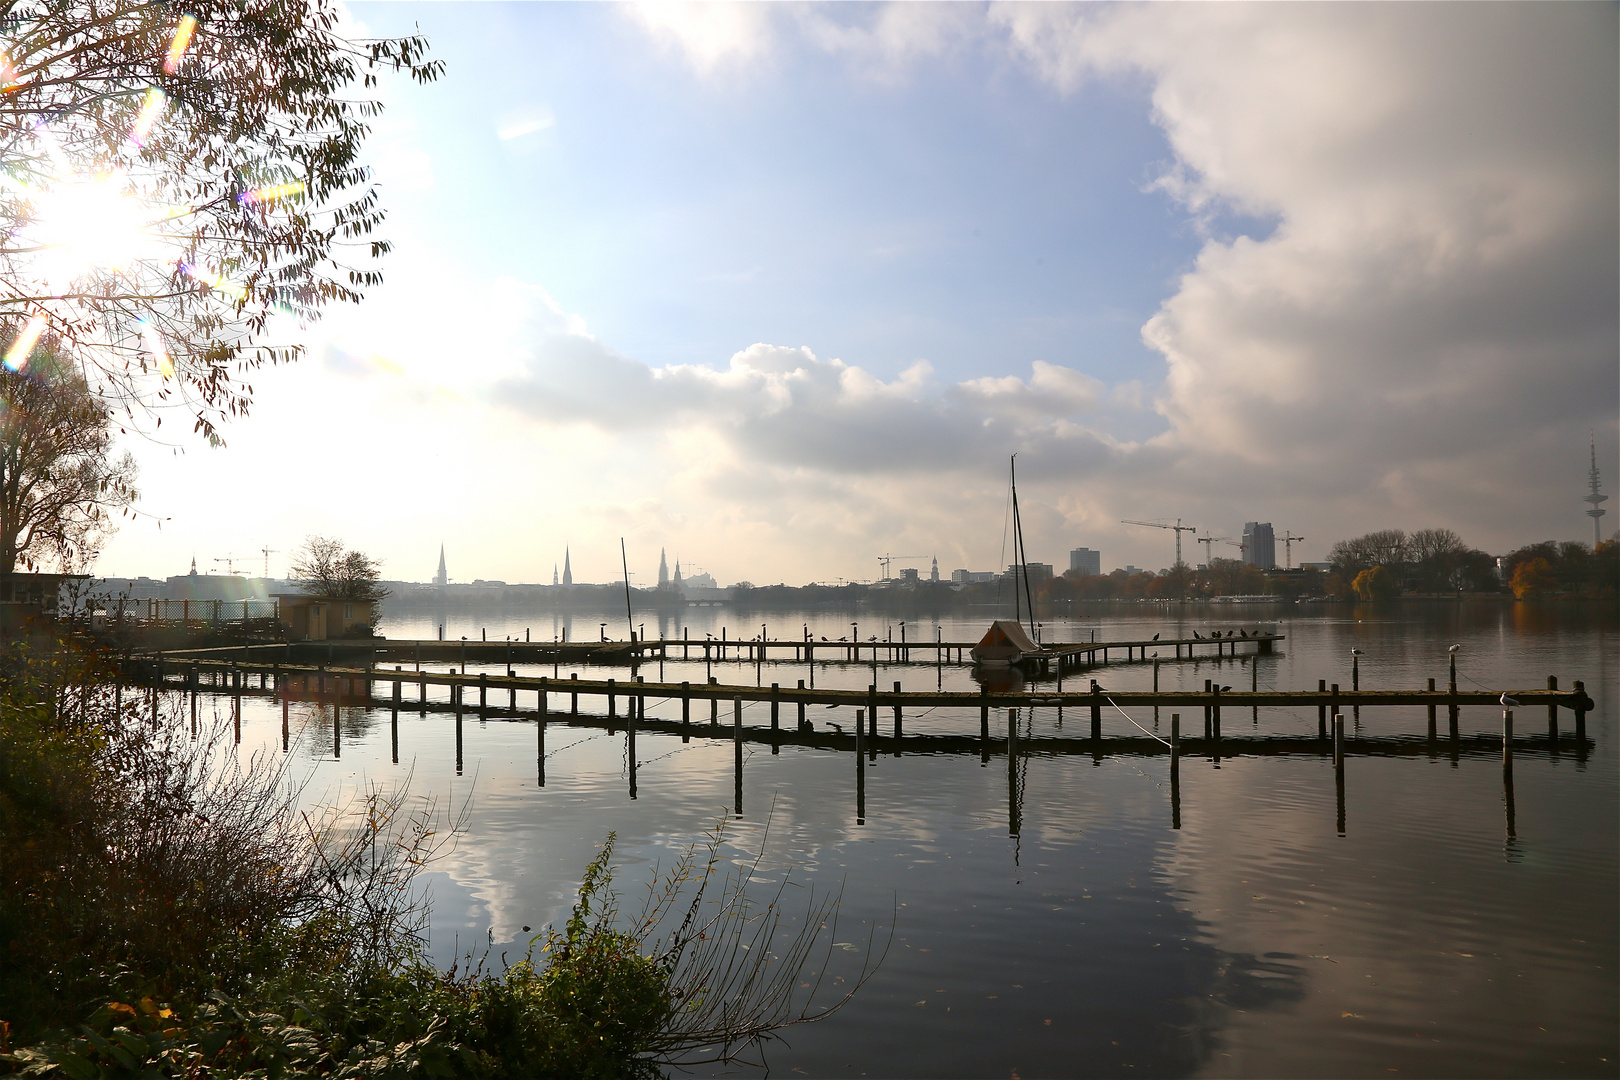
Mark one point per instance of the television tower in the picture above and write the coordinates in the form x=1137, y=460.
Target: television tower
x=1595, y=498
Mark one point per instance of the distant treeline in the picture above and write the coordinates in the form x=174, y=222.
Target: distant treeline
x=1378, y=565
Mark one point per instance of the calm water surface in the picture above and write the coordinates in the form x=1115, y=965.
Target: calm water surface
x=1097, y=939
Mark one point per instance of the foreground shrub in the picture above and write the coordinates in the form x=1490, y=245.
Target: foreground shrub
x=166, y=910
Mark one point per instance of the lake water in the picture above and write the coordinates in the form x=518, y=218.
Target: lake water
x=1256, y=939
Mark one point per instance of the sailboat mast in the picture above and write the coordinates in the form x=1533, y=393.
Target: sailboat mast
x=1020, y=554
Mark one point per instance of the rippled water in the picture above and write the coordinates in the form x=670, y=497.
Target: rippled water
x=1098, y=939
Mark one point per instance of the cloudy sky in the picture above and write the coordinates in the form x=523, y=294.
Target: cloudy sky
x=781, y=288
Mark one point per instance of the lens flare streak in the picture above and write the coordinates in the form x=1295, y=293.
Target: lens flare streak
x=271, y=194
x=150, y=111
x=17, y=355
x=177, y=47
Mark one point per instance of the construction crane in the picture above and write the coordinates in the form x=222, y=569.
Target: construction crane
x=884, y=560
x=268, y=551
x=1209, y=542
x=230, y=564
x=1289, y=540
x=1178, y=526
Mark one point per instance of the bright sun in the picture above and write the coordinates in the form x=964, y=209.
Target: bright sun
x=83, y=225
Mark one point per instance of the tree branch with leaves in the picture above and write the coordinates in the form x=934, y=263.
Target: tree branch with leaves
x=183, y=187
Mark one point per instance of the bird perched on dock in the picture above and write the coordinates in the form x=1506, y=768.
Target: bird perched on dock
x=836, y=727
x=1243, y=633
x=823, y=637
x=1508, y=702
x=1355, y=652
x=1197, y=635
x=1155, y=638
x=1224, y=689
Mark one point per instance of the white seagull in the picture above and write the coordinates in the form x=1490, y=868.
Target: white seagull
x=1509, y=702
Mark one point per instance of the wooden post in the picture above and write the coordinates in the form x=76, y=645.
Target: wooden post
x=284, y=707
x=540, y=736
x=483, y=695
x=1014, y=810
x=1333, y=702
x=776, y=695
x=860, y=767
x=1507, y=742
x=686, y=711
x=1215, y=710
x=1580, y=714
x=1451, y=707
x=801, y=707
x=1254, y=683
x=1207, y=731
x=1338, y=766
x=984, y=712
x=1432, y=710
x=714, y=705
x=897, y=699
x=573, y=698
x=1552, y=713
x=1175, y=770
x=871, y=715
x=613, y=707
x=455, y=694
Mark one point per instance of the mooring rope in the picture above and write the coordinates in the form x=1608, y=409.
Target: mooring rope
x=1132, y=719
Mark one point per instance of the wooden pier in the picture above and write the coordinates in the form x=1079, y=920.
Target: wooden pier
x=356, y=685
x=1060, y=656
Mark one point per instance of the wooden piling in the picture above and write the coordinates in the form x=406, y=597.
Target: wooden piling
x=871, y=715
x=897, y=710
x=776, y=701
x=1507, y=742
x=860, y=767
x=801, y=707
x=1207, y=729
x=1215, y=711
x=1175, y=770
x=686, y=711
x=1432, y=711
x=1580, y=715
x=1096, y=712
x=540, y=740
x=573, y=698
x=1552, y=713
x=1338, y=767
x=714, y=706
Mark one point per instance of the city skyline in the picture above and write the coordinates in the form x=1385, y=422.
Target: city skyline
x=787, y=287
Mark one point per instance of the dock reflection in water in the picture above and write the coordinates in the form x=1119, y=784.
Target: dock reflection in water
x=1070, y=908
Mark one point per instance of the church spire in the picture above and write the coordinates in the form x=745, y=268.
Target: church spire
x=441, y=578
x=663, y=570
x=568, y=569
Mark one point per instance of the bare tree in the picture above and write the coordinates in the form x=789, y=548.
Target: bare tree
x=59, y=482
x=325, y=569
x=179, y=176
x=1386, y=547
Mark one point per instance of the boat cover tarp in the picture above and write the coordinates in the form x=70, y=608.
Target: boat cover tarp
x=1004, y=643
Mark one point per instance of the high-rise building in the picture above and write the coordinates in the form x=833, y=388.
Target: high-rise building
x=1038, y=572
x=1085, y=561
x=1259, y=545
x=933, y=575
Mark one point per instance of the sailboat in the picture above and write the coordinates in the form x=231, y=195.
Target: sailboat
x=1006, y=643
